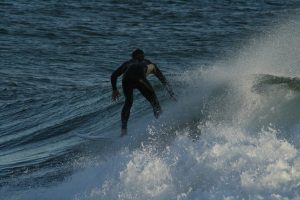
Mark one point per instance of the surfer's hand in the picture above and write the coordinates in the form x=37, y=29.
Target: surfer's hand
x=174, y=98
x=115, y=95
x=172, y=95
x=170, y=91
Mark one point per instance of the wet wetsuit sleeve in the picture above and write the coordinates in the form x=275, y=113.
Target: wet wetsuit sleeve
x=163, y=80
x=160, y=76
x=116, y=74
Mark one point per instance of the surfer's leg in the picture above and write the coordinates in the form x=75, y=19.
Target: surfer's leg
x=147, y=91
x=128, y=93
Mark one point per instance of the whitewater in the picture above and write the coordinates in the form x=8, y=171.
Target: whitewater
x=233, y=134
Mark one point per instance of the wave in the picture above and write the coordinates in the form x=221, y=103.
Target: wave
x=233, y=134
x=290, y=83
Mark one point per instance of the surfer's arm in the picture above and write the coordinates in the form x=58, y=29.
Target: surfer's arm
x=164, y=81
x=115, y=76
x=113, y=79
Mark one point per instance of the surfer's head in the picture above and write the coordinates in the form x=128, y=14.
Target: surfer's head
x=138, y=54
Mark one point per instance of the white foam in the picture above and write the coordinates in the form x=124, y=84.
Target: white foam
x=225, y=163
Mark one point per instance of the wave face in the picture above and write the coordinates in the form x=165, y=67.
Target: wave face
x=233, y=134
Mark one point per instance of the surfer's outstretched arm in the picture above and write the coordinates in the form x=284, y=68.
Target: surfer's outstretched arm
x=164, y=81
x=113, y=79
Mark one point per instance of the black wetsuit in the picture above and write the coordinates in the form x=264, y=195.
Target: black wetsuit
x=135, y=73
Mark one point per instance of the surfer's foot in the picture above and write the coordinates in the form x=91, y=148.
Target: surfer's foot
x=123, y=132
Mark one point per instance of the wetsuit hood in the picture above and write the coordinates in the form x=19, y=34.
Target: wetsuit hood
x=138, y=54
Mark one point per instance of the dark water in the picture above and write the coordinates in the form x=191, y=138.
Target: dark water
x=57, y=58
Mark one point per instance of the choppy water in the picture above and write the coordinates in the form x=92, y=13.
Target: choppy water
x=233, y=134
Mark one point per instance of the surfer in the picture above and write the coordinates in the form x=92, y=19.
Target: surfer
x=134, y=76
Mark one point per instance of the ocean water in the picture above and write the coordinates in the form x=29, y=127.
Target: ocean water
x=234, y=132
